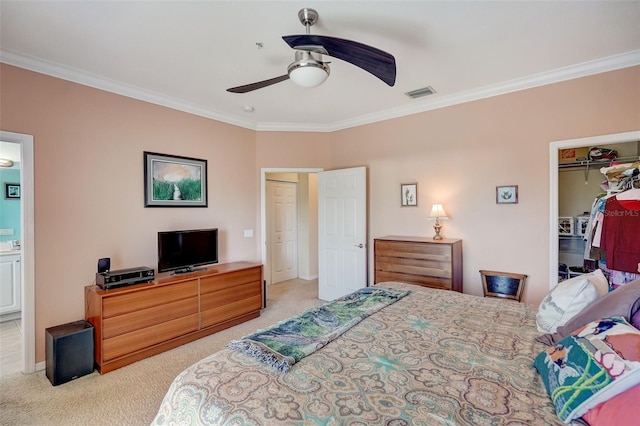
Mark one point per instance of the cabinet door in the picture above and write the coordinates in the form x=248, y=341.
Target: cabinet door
x=10, y=284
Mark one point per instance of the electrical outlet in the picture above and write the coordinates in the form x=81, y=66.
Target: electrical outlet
x=6, y=231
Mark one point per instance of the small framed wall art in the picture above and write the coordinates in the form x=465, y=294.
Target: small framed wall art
x=507, y=194
x=409, y=194
x=12, y=191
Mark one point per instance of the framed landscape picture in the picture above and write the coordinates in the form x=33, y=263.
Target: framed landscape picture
x=174, y=181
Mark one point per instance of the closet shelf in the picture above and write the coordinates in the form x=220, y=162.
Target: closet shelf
x=596, y=163
x=571, y=237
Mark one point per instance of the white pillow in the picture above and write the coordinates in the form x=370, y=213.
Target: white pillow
x=598, y=279
x=564, y=301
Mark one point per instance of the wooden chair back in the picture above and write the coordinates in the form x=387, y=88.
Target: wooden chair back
x=505, y=285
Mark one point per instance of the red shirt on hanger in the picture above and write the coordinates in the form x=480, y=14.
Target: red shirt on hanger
x=621, y=234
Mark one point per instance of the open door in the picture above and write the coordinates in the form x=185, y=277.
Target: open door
x=342, y=232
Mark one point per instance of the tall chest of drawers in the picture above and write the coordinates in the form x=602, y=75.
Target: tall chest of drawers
x=419, y=260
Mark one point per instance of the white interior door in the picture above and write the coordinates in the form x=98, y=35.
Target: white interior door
x=283, y=230
x=342, y=232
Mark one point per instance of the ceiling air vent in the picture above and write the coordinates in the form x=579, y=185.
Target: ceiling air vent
x=418, y=93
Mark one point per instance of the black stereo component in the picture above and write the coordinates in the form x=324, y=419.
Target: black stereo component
x=123, y=277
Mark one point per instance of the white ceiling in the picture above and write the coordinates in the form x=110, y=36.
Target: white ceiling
x=185, y=54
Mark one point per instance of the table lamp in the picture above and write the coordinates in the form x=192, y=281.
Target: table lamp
x=438, y=213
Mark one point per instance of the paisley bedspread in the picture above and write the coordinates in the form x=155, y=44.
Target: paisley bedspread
x=434, y=357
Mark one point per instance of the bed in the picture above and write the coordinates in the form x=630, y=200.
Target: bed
x=433, y=357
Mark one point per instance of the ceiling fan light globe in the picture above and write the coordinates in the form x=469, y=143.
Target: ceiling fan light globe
x=308, y=73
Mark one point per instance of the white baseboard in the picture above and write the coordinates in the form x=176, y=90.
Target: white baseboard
x=309, y=278
x=41, y=366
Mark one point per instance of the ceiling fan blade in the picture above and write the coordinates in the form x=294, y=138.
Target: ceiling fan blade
x=373, y=60
x=259, y=85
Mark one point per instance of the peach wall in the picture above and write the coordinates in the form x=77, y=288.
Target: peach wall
x=293, y=149
x=458, y=155
x=89, y=199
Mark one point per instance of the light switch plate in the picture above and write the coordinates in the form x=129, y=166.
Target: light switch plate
x=248, y=233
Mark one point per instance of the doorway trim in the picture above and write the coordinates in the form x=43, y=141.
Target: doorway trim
x=263, y=204
x=553, y=186
x=27, y=242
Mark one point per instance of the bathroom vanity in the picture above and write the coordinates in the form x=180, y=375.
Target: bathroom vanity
x=10, y=284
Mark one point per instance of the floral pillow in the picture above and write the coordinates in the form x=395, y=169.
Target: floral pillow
x=590, y=366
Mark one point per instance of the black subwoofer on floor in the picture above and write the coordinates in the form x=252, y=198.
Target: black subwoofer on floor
x=69, y=351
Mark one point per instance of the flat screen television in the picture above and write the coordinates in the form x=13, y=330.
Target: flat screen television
x=183, y=251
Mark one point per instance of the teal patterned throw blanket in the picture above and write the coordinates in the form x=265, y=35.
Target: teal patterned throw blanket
x=287, y=342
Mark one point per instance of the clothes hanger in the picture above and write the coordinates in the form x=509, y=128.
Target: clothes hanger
x=629, y=199
x=630, y=194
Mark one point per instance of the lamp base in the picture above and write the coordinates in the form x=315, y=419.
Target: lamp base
x=437, y=227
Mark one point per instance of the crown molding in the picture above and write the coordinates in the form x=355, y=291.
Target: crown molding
x=87, y=79
x=610, y=63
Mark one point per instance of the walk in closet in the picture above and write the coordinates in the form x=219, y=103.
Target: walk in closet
x=599, y=211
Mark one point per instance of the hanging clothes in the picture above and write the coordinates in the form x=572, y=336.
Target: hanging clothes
x=620, y=237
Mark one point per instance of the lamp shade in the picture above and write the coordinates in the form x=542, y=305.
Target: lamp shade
x=437, y=212
x=308, y=70
x=308, y=76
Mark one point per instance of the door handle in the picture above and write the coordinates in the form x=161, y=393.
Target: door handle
x=359, y=245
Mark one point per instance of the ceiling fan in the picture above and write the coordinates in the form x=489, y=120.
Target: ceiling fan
x=308, y=69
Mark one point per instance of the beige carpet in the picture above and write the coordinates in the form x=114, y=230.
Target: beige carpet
x=131, y=395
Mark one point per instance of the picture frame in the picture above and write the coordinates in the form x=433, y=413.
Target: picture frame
x=174, y=181
x=566, y=225
x=507, y=194
x=409, y=195
x=12, y=191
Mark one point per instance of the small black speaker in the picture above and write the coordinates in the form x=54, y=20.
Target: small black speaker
x=104, y=264
x=69, y=351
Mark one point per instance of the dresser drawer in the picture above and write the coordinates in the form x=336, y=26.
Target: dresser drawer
x=128, y=343
x=414, y=251
x=212, y=299
x=123, y=302
x=414, y=266
x=230, y=280
x=114, y=326
x=425, y=281
x=222, y=313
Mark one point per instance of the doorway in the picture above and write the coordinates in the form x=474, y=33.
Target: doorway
x=27, y=264
x=554, y=148
x=307, y=221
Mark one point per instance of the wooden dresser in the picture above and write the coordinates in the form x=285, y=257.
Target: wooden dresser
x=135, y=322
x=419, y=260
